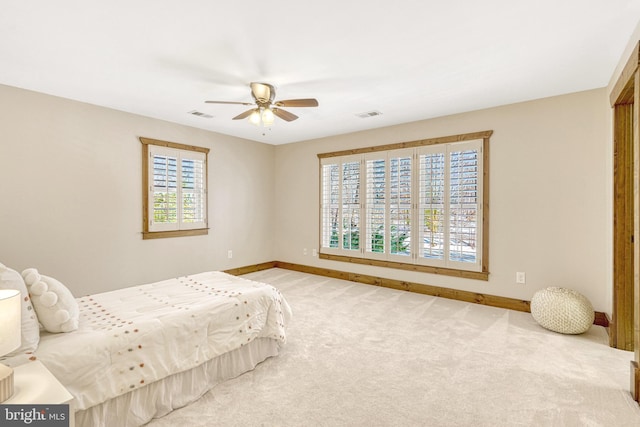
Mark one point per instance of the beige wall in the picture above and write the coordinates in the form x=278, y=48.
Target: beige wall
x=70, y=196
x=550, y=195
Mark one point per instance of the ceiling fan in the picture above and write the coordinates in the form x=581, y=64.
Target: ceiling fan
x=266, y=108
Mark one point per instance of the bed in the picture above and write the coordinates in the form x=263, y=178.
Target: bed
x=140, y=352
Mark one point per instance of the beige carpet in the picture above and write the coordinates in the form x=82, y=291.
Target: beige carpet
x=360, y=355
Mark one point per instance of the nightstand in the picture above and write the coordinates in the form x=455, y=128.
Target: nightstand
x=34, y=384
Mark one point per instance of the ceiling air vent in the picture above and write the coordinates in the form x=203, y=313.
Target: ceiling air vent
x=368, y=114
x=201, y=114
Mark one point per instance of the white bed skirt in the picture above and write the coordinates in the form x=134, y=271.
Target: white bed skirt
x=161, y=397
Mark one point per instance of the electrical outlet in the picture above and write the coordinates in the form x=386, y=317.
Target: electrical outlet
x=229, y=254
x=304, y=251
x=520, y=277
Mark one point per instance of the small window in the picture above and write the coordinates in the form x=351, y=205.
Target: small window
x=175, y=189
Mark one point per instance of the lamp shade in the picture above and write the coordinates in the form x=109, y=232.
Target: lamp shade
x=9, y=320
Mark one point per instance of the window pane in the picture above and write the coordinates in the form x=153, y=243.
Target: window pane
x=165, y=208
x=431, y=212
x=193, y=191
x=376, y=205
x=351, y=205
x=400, y=205
x=330, y=204
x=463, y=206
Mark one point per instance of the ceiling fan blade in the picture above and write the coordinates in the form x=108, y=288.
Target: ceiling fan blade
x=284, y=115
x=244, y=115
x=307, y=102
x=228, y=102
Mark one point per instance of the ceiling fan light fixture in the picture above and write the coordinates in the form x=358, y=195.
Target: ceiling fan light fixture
x=254, y=118
x=268, y=117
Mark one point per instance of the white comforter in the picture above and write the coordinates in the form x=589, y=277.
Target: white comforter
x=134, y=336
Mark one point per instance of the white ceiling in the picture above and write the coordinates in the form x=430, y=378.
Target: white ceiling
x=409, y=60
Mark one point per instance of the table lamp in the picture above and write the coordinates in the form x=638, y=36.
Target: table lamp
x=10, y=325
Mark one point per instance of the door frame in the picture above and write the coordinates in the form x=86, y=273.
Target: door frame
x=624, y=329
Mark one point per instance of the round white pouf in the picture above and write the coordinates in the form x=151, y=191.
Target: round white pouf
x=562, y=310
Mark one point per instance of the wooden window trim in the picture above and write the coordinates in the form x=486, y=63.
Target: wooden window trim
x=483, y=274
x=484, y=135
x=465, y=274
x=146, y=234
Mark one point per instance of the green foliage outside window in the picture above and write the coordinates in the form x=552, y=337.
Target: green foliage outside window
x=398, y=241
x=333, y=242
x=165, y=208
x=377, y=240
x=431, y=219
x=399, y=244
x=350, y=240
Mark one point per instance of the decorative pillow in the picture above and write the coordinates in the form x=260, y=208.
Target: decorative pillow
x=11, y=279
x=56, y=307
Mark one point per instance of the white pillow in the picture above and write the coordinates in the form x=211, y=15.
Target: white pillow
x=56, y=307
x=11, y=279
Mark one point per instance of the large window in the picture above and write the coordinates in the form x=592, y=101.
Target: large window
x=419, y=205
x=175, y=196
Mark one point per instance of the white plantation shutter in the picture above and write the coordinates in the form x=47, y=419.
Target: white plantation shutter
x=330, y=206
x=388, y=205
x=164, y=191
x=465, y=201
x=399, y=208
x=376, y=206
x=193, y=196
x=351, y=206
x=341, y=206
x=449, y=205
x=431, y=205
x=177, y=193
